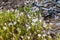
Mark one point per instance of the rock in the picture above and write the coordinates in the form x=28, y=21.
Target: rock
x=11, y=4
x=58, y=24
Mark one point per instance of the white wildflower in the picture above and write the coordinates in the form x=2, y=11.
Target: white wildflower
x=49, y=36
x=27, y=1
x=33, y=23
x=15, y=23
x=48, y=32
x=44, y=35
x=28, y=37
x=39, y=35
x=4, y=28
x=29, y=16
x=41, y=19
x=10, y=24
x=34, y=20
x=29, y=27
x=21, y=13
x=5, y=23
x=26, y=25
x=44, y=24
x=51, y=23
x=16, y=10
x=12, y=9
x=22, y=37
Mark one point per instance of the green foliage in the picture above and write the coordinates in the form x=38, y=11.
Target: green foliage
x=17, y=25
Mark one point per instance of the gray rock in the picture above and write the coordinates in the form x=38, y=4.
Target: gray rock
x=58, y=24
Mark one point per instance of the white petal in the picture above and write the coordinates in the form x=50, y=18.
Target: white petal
x=39, y=35
x=34, y=20
x=14, y=23
x=4, y=28
x=44, y=35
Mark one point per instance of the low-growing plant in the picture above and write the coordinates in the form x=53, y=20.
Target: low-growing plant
x=23, y=25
